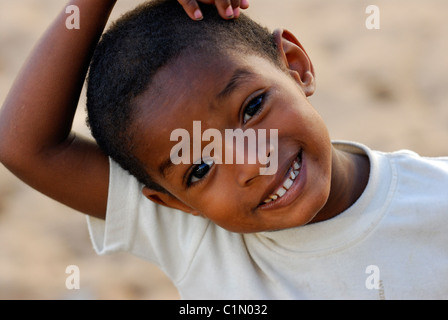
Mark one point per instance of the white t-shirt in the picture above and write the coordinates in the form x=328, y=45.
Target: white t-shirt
x=391, y=244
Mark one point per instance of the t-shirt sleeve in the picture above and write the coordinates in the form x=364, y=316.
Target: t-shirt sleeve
x=167, y=237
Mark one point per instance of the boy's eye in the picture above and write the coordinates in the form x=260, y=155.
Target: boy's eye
x=199, y=171
x=252, y=108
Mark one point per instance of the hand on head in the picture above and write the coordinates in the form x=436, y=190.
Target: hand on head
x=228, y=9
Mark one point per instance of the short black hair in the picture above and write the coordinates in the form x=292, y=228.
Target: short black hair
x=135, y=47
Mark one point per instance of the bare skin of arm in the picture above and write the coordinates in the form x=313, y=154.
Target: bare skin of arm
x=36, y=142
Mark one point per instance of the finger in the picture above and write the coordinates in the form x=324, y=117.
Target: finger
x=225, y=8
x=191, y=7
x=236, y=8
x=237, y=5
x=244, y=4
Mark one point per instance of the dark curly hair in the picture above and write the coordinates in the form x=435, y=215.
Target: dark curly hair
x=135, y=47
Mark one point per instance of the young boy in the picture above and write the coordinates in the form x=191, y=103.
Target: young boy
x=310, y=230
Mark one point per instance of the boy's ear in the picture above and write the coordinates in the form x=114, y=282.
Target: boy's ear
x=296, y=60
x=167, y=200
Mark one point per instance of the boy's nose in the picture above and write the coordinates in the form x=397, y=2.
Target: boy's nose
x=246, y=173
x=247, y=167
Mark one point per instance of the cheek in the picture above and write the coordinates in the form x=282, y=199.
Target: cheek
x=296, y=117
x=310, y=123
x=222, y=202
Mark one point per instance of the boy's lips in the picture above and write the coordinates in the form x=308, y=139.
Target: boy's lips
x=284, y=191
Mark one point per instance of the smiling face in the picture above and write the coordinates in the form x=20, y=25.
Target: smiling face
x=238, y=91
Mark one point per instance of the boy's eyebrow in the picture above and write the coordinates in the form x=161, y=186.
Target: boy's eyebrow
x=166, y=166
x=240, y=75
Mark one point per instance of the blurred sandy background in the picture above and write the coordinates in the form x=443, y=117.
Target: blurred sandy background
x=386, y=88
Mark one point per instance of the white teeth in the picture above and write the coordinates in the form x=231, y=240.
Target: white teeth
x=287, y=184
x=281, y=192
x=271, y=198
x=292, y=175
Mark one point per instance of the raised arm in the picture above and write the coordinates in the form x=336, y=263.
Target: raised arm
x=36, y=142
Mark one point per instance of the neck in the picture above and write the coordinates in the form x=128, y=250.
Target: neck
x=349, y=177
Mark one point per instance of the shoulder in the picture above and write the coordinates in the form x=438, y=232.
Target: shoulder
x=421, y=182
x=402, y=159
x=413, y=164
x=404, y=170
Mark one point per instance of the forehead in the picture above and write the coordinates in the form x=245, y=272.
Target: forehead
x=192, y=77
